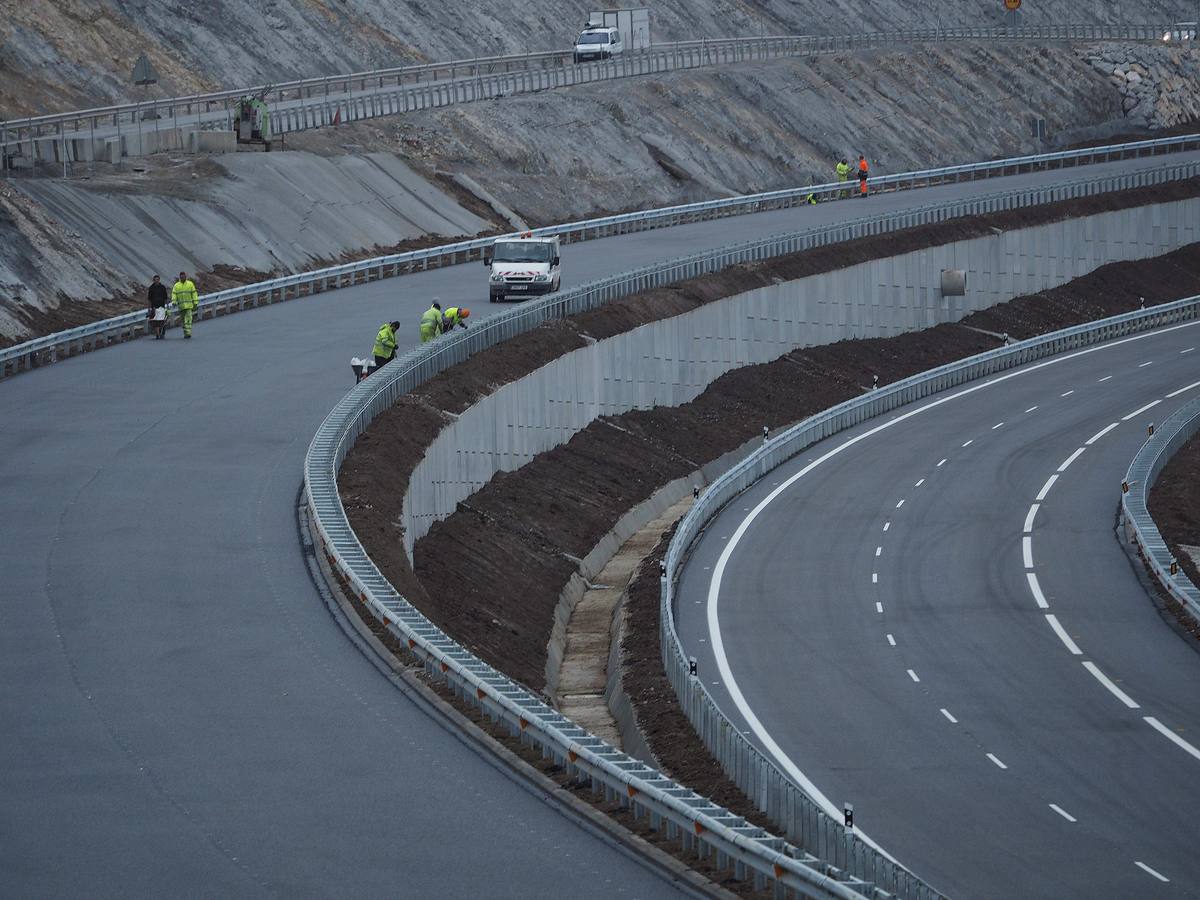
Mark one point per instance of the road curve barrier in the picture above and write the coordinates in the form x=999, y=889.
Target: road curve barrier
x=1167, y=439
x=828, y=850
x=337, y=99
x=752, y=770
x=64, y=344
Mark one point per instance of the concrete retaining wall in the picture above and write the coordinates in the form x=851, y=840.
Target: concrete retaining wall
x=672, y=361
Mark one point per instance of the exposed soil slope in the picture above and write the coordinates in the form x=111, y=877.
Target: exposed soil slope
x=491, y=573
x=1175, y=506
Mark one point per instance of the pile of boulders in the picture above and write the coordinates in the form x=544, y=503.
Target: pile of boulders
x=1159, y=86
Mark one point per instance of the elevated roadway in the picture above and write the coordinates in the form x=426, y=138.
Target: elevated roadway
x=179, y=707
x=930, y=617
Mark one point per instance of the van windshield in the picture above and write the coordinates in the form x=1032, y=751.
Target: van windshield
x=522, y=251
x=593, y=38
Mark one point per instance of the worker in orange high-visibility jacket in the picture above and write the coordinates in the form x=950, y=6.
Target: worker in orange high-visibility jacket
x=863, y=171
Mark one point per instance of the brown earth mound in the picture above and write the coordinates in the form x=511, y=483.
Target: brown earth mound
x=1175, y=506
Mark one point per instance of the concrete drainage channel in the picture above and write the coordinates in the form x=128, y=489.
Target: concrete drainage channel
x=526, y=715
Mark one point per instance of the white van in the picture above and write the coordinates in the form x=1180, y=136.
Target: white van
x=598, y=42
x=523, y=266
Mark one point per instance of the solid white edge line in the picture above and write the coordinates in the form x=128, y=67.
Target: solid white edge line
x=913, y=676
x=1171, y=736
x=996, y=760
x=1036, y=590
x=1183, y=390
x=1146, y=868
x=1027, y=551
x=1140, y=410
x=1070, y=459
x=1029, y=516
x=1062, y=634
x=1101, y=433
x=1108, y=683
x=1062, y=812
x=714, y=588
x=946, y=713
x=1046, y=488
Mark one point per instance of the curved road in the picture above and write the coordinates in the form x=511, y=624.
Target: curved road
x=933, y=620
x=181, y=713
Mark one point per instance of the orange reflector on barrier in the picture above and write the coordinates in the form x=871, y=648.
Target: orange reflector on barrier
x=572, y=755
x=699, y=828
x=445, y=668
x=631, y=790
x=524, y=723
x=411, y=643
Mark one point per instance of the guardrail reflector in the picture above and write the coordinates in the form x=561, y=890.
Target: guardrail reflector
x=524, y=723
x=445, y=668
x=631, y=790
x=698, y=827
x=572, y=756
x=412, y=644
x=480, y=693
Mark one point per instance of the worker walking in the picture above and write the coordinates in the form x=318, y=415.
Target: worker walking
x=385, y=344
x=454, y=315
x=156, y=299
x=184, y=296
x=863, y=170
x=431, y=322
x=843, y=175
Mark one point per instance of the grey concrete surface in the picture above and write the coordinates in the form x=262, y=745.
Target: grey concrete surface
x=809, y=650
x=672, y=361
x=181, y=715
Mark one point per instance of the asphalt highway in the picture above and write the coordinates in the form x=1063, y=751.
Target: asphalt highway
x=181, y=714
x=933, y=619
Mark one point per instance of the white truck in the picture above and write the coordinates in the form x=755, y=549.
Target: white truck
x=523, y=266
x=633, y=25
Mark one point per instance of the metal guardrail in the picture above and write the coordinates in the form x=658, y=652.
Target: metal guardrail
x=1180, y=427
x=323, y=101
x=64, y=344
x=678, y=809
x=752, y=769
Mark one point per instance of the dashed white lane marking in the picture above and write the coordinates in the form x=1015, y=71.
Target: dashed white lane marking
x=1143, y=365
x=919, y=483
x=1183, y=390
x=887, y=525
x=1046, y=488
x=1062, y=634
x=1068, y=393
x=1036, y=590
x=878, y=607
x=997, y=425
x=1107, y=682
x=946, y=713
x=1031, y=409
x=1172, y=736
x=1188, y=350
x=874, y=578
x=1027, y=551
x=913, y=675
x=1140, y=410
x=1029, y=517
x=1062, y=812
x=1070, y=459
x=900, y=504
x=1146, y=868
x=969, y=443
x=1101, y=433
x=879, y=551
x=994, y=759
x=891, y=640
x=942, y=463
x=1105, y=378
x=714, y=587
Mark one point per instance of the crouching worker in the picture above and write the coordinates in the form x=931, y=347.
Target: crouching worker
x=431, y=322
x=385, y=344
x=454, y=316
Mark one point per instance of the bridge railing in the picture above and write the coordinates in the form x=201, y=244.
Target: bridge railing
x=825, y=845
x=64, y=344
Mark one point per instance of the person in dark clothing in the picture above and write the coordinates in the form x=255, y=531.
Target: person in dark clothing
x=157, y=314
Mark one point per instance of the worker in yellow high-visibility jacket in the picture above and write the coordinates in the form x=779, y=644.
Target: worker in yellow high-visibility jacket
x=385, y=344
x=184, y=296
x=431, y=322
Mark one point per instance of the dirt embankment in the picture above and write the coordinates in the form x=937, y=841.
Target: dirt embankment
x=1175, y=506
x=491, y=573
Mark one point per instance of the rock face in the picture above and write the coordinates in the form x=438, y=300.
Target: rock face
x=1157, y=85
x=57, y=54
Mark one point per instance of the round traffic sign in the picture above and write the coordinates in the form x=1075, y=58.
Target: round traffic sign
x=1012, y=4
